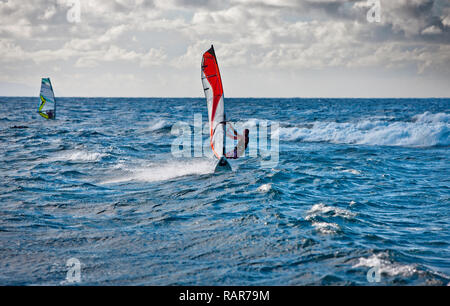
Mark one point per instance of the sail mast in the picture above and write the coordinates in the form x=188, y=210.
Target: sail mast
x=54, y=100
x=223, y=103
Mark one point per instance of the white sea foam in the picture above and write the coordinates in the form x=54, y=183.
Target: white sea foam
x=264, y=188
x=84, y=156
x=325, y=227
x=252, y=122
x=352, y=171
x=155, y=125
x=78, y=156
x=385, y=266
x=432, y=118
x=424, y=130
x=321, y=209
x=163, y=171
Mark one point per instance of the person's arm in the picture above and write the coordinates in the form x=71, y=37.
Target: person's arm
x=235, y=134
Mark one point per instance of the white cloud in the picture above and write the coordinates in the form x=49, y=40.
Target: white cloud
x=446, y=21
x=432, y=30
x=264, y=36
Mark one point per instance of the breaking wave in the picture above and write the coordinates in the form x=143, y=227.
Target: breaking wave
x=386, y=266
x=157, y=125
x=318, y=213
x=264, y=188
x=323, y=210
x=423, y=130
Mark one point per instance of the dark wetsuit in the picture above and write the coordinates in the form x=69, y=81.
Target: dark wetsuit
x=240, y=147
x=50, y=114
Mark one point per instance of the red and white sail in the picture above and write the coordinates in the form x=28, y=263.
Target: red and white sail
x=212, y=85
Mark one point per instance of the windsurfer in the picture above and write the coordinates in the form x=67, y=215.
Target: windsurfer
x=241, y=145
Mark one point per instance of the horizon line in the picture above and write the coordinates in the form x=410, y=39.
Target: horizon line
x=167, y=97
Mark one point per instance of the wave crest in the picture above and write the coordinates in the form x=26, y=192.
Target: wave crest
x=386, y=266
x=78, y=156
x=424, y=130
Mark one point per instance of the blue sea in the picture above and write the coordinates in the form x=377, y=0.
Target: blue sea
x=359, y=194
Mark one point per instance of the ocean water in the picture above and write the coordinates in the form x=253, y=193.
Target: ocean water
x=360, y=195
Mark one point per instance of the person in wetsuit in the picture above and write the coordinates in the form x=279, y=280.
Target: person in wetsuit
x=50, y=114
x=241, y=145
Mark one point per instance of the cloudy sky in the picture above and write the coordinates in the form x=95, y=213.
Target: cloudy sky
x=265, y=48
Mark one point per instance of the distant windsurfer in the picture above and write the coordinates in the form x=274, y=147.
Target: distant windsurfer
x=241, y=145
x=47, y=107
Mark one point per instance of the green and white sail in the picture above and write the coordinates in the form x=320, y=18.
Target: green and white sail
x=47, y=103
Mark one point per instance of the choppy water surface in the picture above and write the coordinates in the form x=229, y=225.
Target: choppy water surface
x=360, y=184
